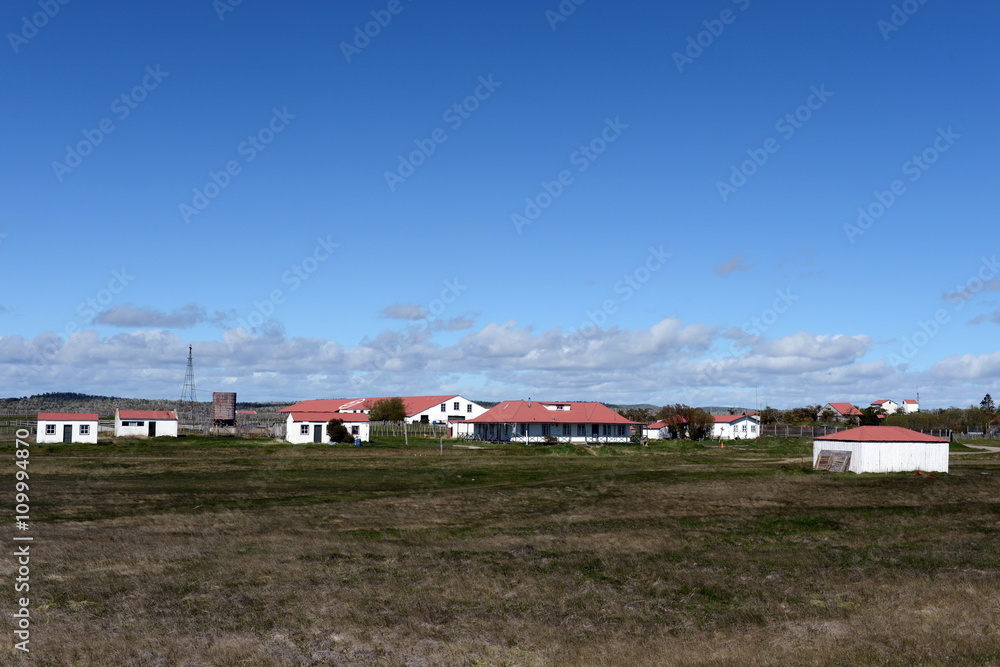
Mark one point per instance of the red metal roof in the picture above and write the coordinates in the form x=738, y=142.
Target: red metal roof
x=327, y=416
x=880, y=401
x=728, y=419
x=413, y=404
x=909, y=401
x=147, y=414
x=845, y=409
x=68, y=416
x=880, y=434
x=576, y=412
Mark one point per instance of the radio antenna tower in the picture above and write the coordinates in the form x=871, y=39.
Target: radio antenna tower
x=189, y=395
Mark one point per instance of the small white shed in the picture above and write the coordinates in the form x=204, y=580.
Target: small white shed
x=67, y=427
x=304, y=427
x=145, y=423
x=885, y=449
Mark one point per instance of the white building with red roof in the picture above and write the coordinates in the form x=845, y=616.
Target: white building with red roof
x=888, y=405
x=842, y=411
x=910, y=405
x=885, y=449
x=419, y=409
x=736, y=427
x=145, y=423
x=67, y=427
x=303, y=427
x=545, y=421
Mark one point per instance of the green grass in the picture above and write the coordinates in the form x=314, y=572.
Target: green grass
x=231, y=551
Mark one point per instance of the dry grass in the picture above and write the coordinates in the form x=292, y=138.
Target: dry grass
x=249, y=554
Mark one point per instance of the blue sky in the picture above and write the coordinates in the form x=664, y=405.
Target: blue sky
x=712, y=203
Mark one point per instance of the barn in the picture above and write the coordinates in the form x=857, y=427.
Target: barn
x=67, y=427
x=881, y=449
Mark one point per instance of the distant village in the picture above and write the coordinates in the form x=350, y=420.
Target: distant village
x=879, y=437
x=459, y=417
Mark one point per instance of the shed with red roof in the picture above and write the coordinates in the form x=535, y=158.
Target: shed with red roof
x=303, y=427
x=67, y=427
x=886, y=449
x=145, y=423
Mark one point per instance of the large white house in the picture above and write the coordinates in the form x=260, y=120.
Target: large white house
x=419, y=409
x=145, y=423
x=910, y=405
x=303, y=427
x=885, y=449
x=542, y=421
x=67, y=427
x=889, y=406
x=736, y=427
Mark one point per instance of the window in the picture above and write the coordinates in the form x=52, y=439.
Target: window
x=304, y=429
x=581, y=430
x=444, y=407
x=468, y=408
x=545, y=429
x=354, y=430
x=560, y=407
x=84, y=429
x=567, y=430
x=457, y=406
x=621, y=429
x=50, y=429
x=133, y=423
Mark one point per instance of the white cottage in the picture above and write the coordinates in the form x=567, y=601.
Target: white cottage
x=145, y=423
x=67, y=427
x=888, y=405
x=304, y=427
x=885, y=449
x=736, y=427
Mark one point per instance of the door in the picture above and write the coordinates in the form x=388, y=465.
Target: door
x=318, y=433
x=594, y=430
x=67, y=433
x=152, y=429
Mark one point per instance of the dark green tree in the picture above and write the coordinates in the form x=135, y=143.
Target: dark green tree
x=388, y=410
x=337, y=432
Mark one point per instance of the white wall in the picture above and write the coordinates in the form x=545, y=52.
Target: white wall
x=434, y=412
x=294, y=435
x=91, y=438
x=889, y=456
x=535, y=432
x=164, y=427
x=744, y=429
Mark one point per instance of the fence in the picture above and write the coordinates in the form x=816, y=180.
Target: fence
x=419, y=430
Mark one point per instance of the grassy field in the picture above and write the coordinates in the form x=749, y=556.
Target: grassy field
x=220, y=551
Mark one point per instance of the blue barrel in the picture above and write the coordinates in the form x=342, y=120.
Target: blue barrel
x=357, y=442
